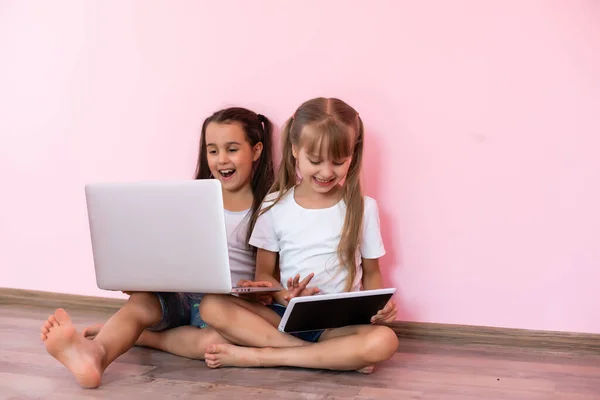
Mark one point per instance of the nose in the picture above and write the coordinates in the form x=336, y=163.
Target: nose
x=327, y=170
x=223, y=157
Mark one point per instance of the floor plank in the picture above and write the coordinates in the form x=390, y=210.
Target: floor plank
x=420, y=370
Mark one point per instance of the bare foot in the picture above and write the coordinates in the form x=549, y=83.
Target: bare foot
x=91, y=331
x=83, y=358
x=366, y=370
x=228, y=355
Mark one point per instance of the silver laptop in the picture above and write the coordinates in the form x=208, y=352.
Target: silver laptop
x=160, y=237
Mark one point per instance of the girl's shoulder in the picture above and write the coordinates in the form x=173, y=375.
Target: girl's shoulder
x=369, y=202
x=370, y=206
x=271, y=198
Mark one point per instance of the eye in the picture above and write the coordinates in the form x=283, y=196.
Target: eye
x=339, y=163
x=233, y=150
x=314, y=162
x=212, y=151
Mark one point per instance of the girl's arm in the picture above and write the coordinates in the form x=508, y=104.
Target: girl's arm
x=266, y=270
x=372, y=278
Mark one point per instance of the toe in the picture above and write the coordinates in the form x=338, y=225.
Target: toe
x=212, y=349
x=62, y=316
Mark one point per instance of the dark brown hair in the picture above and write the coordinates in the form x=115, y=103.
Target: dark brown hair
x=332, y=122
x=257, y=128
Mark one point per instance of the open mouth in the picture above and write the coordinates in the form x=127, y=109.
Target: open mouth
x=227, y=173
x=323, y=182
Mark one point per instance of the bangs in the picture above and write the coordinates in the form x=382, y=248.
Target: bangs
x=330, y=135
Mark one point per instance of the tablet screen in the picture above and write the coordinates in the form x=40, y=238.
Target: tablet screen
x=334, y=313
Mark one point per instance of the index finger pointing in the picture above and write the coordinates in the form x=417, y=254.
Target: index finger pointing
x=306, y=280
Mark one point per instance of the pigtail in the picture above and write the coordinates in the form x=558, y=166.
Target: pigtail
x=285, y=178
x=262, y=177
x=353, y=197
x=202, y=169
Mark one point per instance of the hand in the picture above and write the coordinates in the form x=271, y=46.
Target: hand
x=386, y=315
x=297, y=288
x=263, y=298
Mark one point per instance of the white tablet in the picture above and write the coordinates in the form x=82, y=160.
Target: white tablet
x=327, y=311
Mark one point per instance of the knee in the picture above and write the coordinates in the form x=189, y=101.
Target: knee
x=380, y=344
x=145, y=307
x=213, y=309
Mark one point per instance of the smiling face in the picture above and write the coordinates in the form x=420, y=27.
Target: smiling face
x=323, y=161
x=230, y=156
x=320, y=170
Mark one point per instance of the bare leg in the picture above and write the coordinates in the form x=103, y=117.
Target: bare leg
x=87, y=359
x=348, y=348
x=185, y=341
x=245, y=323
x=91, y=331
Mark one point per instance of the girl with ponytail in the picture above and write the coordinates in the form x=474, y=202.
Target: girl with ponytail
x=319, y=227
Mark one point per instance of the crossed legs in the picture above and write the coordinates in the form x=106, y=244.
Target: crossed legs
x=348, y=348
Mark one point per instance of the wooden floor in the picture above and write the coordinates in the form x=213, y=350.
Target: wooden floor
x=420, y=370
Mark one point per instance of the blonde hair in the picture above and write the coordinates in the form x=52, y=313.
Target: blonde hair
x=334, y=122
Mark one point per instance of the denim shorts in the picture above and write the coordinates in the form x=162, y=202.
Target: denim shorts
x=178, y=309
x=309, y=336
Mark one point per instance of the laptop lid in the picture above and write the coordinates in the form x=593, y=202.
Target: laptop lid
x=159, y=236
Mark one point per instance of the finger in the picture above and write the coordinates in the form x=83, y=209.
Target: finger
x=392, y=305
x=296, y=280
x=306, y=280
x=389, y=316
x=391, y=310
x=302, y=285
x=241, y=282
x=393, y=314
x=390, y=319
x=388, y=307
x=313, y=291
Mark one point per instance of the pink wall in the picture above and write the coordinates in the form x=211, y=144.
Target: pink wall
x=485, y=115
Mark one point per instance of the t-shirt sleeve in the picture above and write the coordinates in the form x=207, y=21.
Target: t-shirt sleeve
x=264, y=235
x=371, y=246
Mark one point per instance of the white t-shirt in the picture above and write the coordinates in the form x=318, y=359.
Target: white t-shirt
x=242, y=261
x=307, y=241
